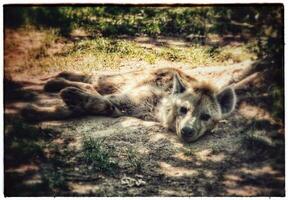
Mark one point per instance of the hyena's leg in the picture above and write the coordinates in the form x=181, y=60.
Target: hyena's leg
x=57, y=84
x=35, y=113
x=73, y=76
x=93, y=104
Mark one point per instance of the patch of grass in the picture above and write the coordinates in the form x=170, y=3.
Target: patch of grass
x=234, y=54
x=90, y=55
x=257, y=140
x=277, y=94
x=134, y=159
x=54, y=180
x=196, y=54
x=258, y=146
x=97, y=156
x=259, y=143
x=24, y=142
x=105, y=52
x=25, y=149
x=50, y=38
x=21, y=130
x=57, y=155
x=188, y=152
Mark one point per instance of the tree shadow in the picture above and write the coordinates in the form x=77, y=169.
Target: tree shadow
x=211, y=167
x=210, y=177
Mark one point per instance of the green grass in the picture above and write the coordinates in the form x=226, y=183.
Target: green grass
x=134, y=159
x=54, y=180
x=25, y=142
x=256, y=140
x=266, y=30
x=57, y=53
x=93, y=54
x=277, y=95
x=97, y=156
x=259, y=142
x=188, y=152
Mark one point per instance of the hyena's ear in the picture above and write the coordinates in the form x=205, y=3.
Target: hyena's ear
x=227, y=100
x=178, y=86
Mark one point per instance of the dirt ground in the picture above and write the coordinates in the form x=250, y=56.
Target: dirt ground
x=242, y=156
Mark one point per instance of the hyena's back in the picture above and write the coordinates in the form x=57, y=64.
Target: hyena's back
x=134, y=93
x=160, y=78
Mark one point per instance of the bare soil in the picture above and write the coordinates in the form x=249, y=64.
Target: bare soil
x=242, y=156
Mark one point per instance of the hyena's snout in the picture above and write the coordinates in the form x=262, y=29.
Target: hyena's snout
x=188, y=132
x=188, y=129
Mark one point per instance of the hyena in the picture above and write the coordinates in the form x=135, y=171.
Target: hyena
x=179, y=102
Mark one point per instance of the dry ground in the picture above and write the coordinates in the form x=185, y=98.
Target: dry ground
x=99, y=156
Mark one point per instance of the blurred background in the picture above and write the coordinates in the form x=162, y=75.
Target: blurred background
x=261, y=23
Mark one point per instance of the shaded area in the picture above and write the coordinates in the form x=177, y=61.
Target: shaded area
x=82, y=157
x=98, y=156
x=27, y=148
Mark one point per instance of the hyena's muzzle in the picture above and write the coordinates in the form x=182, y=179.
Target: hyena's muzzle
x=190, y=130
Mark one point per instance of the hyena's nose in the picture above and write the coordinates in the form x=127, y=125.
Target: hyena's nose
x=187, y=132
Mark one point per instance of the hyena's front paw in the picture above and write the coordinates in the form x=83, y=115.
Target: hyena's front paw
x=31, y=113
x=84, y=102
x=74, y=98
x=55, y=85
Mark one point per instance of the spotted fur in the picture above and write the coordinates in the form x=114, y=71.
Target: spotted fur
x=179, y=102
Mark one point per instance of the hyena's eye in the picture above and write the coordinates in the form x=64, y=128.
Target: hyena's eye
x=183, y=110
x=205, y=117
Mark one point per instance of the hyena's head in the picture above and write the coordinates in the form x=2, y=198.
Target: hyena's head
x=192, y=111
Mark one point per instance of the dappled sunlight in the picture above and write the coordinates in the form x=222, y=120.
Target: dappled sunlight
x=149, y=42
x=76, y=143
x=208, y=155
x=173, y=139
x=104, y=133
x=172, y=171
x=79, y=33
x=20, y=46
x=154, y=131
x=35, y=179
x=209, y=173
x=231, y=180
x=82, y=188
x=131, y=121
x=59, y=141
x=263, y=170
x=183, y=157
x=53, y=124
x=155, y=137
x=23, y=168
x=143, y=150
x=255, y=112
x=240, y=181
x=14, y=108
x=117, y=49
x=247, y=190
x=173, y=192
